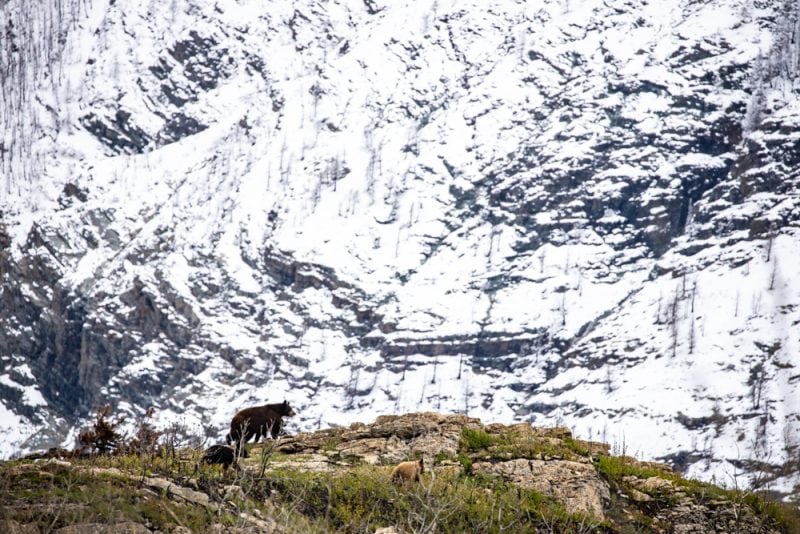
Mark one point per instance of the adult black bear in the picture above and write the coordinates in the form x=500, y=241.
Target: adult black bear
x=258, y=421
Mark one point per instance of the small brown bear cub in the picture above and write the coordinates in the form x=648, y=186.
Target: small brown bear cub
x=223, y=455
x=258, y=421
x=405, y=472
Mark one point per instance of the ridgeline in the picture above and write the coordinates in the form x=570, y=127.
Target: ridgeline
x=477, y=478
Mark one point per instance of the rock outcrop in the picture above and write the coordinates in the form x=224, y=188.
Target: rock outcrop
x=579, y=475
x=577, y=485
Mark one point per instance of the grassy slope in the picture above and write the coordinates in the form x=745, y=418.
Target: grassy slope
x=352, y=498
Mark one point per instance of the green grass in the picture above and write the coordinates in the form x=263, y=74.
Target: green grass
x=362, y=499
x=358, y=498
x=481, y=444
x=331, y=443
x=576, y=446
x=440, y=458
x=785, y=516
x=466, y=463
x=614, y=468
x=51, y=495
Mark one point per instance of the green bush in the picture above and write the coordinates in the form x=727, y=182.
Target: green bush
x=440, y=457
x=466, y=463
x=616, y=467
x=476, y=439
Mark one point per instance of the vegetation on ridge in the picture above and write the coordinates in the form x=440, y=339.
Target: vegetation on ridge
x=164, y=486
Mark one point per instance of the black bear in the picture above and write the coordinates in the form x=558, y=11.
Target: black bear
x=258, y=421
x=223, y=455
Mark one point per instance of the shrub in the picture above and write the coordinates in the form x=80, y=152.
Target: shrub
x=476, y=439
x=103, y=436
x=440, y=457
x=466, y=464
x=145, y=441
x=616, y=467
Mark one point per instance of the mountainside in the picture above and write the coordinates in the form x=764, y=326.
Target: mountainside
x=550, y=212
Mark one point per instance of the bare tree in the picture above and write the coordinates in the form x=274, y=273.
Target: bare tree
x=773, y=274
x=673, y=322
x=658, y=307
x=758, y=377
x=770, y=241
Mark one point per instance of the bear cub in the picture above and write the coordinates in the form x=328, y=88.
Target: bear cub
x=405, y=472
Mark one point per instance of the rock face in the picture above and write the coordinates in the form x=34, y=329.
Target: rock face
x=577, y=485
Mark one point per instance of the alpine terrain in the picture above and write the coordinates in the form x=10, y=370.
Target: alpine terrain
x=563, y=212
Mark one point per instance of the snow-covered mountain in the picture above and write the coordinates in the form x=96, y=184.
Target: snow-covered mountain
x=565, y=211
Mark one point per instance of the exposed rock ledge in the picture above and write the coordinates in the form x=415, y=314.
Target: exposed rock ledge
x=394, y=438
x=548, y=460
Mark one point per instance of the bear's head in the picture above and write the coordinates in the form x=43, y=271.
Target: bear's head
x=286, y=410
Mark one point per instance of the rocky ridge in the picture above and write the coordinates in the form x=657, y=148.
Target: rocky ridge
x=580, y=485
x=547, y=460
